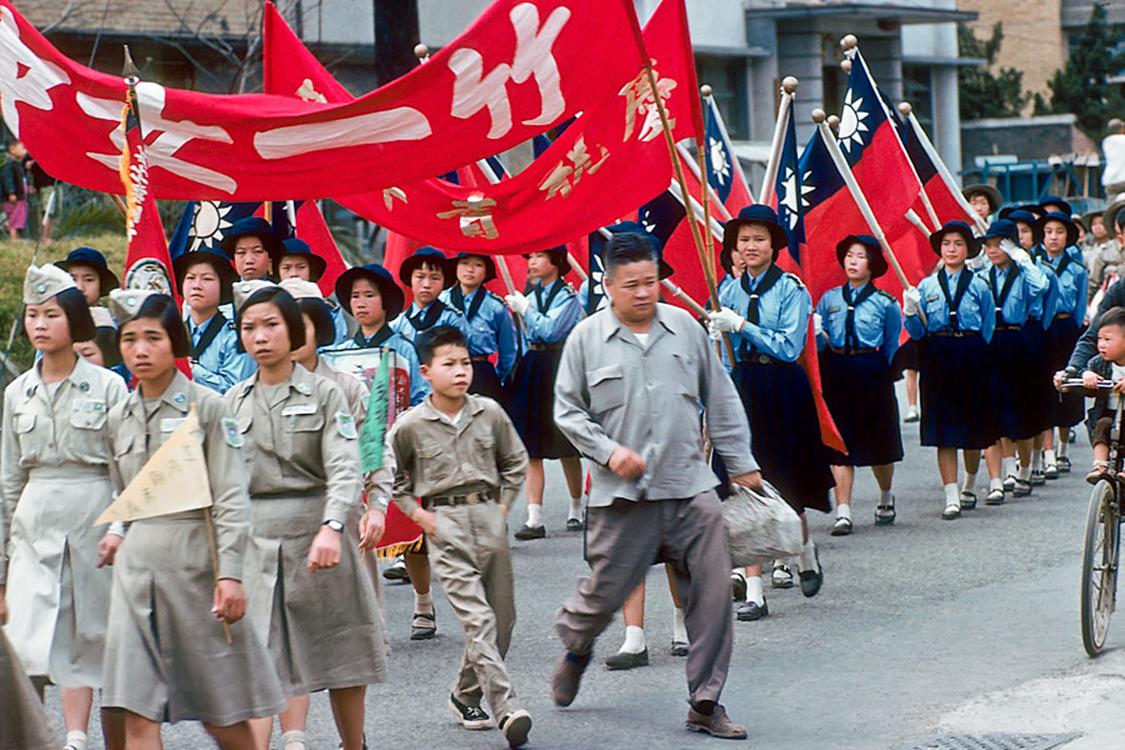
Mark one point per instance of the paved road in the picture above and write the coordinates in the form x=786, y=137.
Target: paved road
x=916, y=626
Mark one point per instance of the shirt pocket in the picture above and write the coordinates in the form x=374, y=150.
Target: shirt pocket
x=125, y=457
x=245, y=424
x=24, y=426
x=607, y=388
x=435, y=462
x=685, y=375
x=88, y=415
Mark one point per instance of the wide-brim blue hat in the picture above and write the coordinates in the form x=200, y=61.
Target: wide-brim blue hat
x=219, y=261
x=88, y=256
x=1019, y=216
x=1071, y=227
x=393, y=298
x=252, y=226
x=489, y=263
x=560, y=258
x=1056, y=200
x=988, y=191
x=1004, y=229
x=957, y=227
x=1032, y=208
x=876, y=261
x=757, y=213
x=294, y=246
x=665, y=268
x=430, y=255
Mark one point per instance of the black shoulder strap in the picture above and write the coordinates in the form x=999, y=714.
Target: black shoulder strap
x=1001, y=296
x=954, y=302
x=375, y=341
x=432, y=314
x=209, y=334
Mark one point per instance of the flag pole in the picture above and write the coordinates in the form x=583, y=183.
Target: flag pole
x=677, y=167
x=705, y=183
x=845, y=171
x=788, y=87
x=947, y=177
x=493, y=178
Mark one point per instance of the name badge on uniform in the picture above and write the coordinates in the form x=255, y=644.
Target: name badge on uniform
x=932, y=298
x=345, y=425
x=833, y=309
x=231, y=433
x=297, y=410
x=89, y=406
x=171, y=424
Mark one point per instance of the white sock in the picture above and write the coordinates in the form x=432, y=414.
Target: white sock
x=951, y=496
x=534, y=515
x=575, y=508
x=294, y=739
x=808, y=556
x=1025, y=473
x=1064, y=445
x=1037, y=460
x=423, y=602
x=679, y=630
x=754, y=591
x=634, y=640
x=1048, y=457
x=76, y=739
x=970, y=483
x=995, y=483
x=1009, y=468
x=886, y=498
x=844, y=510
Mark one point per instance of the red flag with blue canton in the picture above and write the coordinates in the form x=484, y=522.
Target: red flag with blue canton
x=724, y=173
x=947, y=205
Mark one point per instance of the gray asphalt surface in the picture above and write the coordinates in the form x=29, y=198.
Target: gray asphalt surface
x=913, y=621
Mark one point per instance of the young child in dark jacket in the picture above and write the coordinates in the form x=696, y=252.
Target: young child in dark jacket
x=1107, y=364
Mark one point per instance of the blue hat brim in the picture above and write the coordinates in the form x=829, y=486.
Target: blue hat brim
x=1071, y=227
x=965, y=232
x=449, y=270
x=107, y=279
x=393, y=299
x=778, y=236
x=489, y=265
x=876, y=262
x=317, y=264
x=269, y=239
x=221, y=264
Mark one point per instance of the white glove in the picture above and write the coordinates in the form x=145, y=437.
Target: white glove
x=518, y=303
x=1018, y=255
x=817, y=324
x=714, y=332
x=727, y=320
x=912, y=301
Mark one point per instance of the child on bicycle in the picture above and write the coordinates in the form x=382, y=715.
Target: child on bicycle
x=1107, y=364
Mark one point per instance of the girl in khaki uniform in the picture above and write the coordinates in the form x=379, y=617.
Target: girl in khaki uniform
x=167, y=655
x=54, y=473
x=308, y=591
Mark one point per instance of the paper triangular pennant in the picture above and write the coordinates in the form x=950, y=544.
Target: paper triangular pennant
x=173, y=480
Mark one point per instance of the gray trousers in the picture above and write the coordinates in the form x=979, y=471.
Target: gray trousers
x=472, y=561
x=626, y=538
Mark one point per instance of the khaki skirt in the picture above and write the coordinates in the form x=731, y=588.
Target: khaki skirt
x=323, y=629
x=23, y=725
x=57, y=596
x=167, y=658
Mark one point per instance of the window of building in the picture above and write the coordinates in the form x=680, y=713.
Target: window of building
x=917, y=88
x=727, y=77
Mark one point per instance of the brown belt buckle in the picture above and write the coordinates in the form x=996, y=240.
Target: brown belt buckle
x=473, y=498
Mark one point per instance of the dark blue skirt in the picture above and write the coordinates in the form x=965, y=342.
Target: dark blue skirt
x=486, y=382
x=1066, y=409
x=908, y=357
x=1040, y=372
x=785, y=433
x=1017, y=372
x=957, y=386
x=860, y=394
x=532, y=395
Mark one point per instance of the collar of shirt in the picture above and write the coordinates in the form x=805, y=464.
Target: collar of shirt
x=612, y=326
x=301, y=380
x=176, y=395
x=952, y=276
x=415, y=310
x=752, y=279
x=472, y=406
x=193, y=328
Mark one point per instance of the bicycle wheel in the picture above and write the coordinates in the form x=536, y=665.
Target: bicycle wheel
x=1099, y=567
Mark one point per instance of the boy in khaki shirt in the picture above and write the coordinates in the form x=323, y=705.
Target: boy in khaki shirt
x=462, y=456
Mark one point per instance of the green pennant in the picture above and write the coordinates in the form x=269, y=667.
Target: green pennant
x=374, y=431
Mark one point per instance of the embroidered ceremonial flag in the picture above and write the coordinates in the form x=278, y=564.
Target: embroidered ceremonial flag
x=174, y=479
x=203, y=224
x=724, y=173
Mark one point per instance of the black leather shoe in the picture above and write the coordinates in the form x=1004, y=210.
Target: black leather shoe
x=568, y=676
x=812, y=580
x=623, y=660
x=751, y=611
x=531, y=532
x=575, y=524
x=678, y=648
x=738, y=586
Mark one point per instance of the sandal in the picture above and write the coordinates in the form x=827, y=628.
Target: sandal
x=843, y=527
x=1022, y=488
x=995, y=497
x=952, y=511
x=885, y=514
x=968, y=500
x=1051, y=471
x=1064, y=464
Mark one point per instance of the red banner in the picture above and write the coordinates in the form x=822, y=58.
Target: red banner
x=521, y=68
x=611, y=160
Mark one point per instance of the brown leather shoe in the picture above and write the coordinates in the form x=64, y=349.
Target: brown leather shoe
x=718, y=724
x=567, y=677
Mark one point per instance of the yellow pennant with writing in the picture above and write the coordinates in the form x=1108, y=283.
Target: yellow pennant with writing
x=173, y=480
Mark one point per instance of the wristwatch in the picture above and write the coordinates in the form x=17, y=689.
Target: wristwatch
x=335, y=526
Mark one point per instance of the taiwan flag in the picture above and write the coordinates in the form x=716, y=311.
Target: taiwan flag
x=947, y=204
x=724, y=173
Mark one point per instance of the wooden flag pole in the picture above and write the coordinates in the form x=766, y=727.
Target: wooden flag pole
x=705, y=183
x=212, y=548
x=493, y=178
x=788, y=87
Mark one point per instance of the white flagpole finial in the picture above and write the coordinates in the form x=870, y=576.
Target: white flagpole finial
x=849, y=42
x=846, y=65
x=789, y=84
x=706, y=91
x=818, y=115
x=905, y=109
x=422, y=52
x=833, y=121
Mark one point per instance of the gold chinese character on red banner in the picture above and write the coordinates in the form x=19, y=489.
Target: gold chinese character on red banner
x=639, y=100
x=564, y=177
x=389, y=195
x=474, y=217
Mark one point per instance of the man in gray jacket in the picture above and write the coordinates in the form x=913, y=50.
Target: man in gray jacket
x=628, y=395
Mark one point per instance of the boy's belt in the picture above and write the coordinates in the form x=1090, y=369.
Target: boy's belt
x=472, y=498
x=845, y=352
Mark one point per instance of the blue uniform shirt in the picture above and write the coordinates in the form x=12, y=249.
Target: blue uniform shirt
x=877, y=319
x=428, y=317
x=340, y=323
x=491, y=329
x=1028, y=284
x=1070, y=273
x=554, y=311
x=976, y=311
x=1042, y=308
x=220, y=365
x=783, y=316
x=419, y=388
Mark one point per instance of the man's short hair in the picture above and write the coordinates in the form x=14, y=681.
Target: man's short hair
x=627, y=247
x=1116, y=125
x=1114, y=316
x=430, y=341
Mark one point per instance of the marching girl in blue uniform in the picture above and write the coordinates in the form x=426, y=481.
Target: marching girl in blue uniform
x=860, y=328
x=959, y=319
x=490, y=326
x=767, y=316
x=427, y=272
x=1016, y=282
x=549, y=314
x=1064, y=260
x=298, y=261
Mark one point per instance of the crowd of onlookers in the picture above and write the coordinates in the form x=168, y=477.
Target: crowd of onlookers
x=26, y=187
